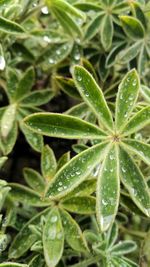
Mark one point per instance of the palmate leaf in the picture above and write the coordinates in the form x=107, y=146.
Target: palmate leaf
x=108, y=186
x=126, y=98
x=73, y=233
x=53, y=238
x=138, y=121
x=134, y=182
x=139, y=148
x=64, y=126
x=24, y=239
x=75, y=171
x=92, y=95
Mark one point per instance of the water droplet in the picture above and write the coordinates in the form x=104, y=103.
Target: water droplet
x=79, y=78
x=44, y=10
x=60, y=183
x=2, y=63
x=54, y=219
x=123, y=169
x=60, y=189
x=77, y=56
x=134, y=82
x=51, y=61
x=58, y=52
x=78, y=172
x=104, y=202
x=59, y=235
x=46, y=39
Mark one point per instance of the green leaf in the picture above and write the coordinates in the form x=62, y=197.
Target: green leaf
x=73, y=233
x=48, y=163
x=24, y=239
x=13, y=264
x=67, y=85
x=63, y=160
x=145, y=91
x=7, y=120
x=54, y=55
x=53, y=238
x=132, y=27
x=27, y=196
x=129, y=53
x=37, y=98
x=2, y=161
x=80, y=205
x=107, y=32
x=112, y=235
x=108, y=187
x=63, y=126
x=79, y=110
x=92, y=95
x=34, y=180
x=138, y=12
x=134, y=182
x=124, y=247
x=12, y=81
x=114, y=52
x=35, y=140
x=139, y=148
x=68, y=23
x=93, y=27
x=86, y=188
x=65, y=7
x=75, y=171
x=37, y=260
x=8, y=143
x=126, y=97
x=25, y=84
x=138, y=121
x=10, y=27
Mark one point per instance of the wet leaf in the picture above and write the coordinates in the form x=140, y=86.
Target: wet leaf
x=64, y=126
x=132, y=27
x=108, y=187
x=107, y=32
x=34, y=180
x=80, y=204
x=48, y=163
x=126, y=97
x=75, y=171
x=73, y=233
x=134, y=182
x=9, y=26
x=53, y=238
x=92, y=95
x=124, y=247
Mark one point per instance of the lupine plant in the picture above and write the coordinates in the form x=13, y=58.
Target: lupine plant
x=74, y=133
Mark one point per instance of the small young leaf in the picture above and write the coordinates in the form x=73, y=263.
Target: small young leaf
x=112, y=235
x=108, y=187
x=124, y=247
x=73, y=233
x=140, y=148
x=80, y=205
x=126, y=97
x=10, y=27
x=64, y=126
x=134, y=182
x=93, y=96
x=75, y=171
x=53, y=238
x=25, y=84
x=107, y=32
x=34, y=180
x=24, y=239
x=138, y=121
x=63, y=160
x=13, y=264
x=48, y=163
x=12, y=81
x=132, y=27
x=93, y=27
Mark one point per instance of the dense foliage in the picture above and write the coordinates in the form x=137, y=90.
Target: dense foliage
x=74, y=133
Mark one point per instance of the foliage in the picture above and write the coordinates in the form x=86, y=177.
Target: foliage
x=74, y=133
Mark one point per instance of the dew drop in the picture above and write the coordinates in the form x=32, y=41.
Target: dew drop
x=123, y=170
x=79, y=78
x=44, y=10
x=2, y=63
x=54, y=219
